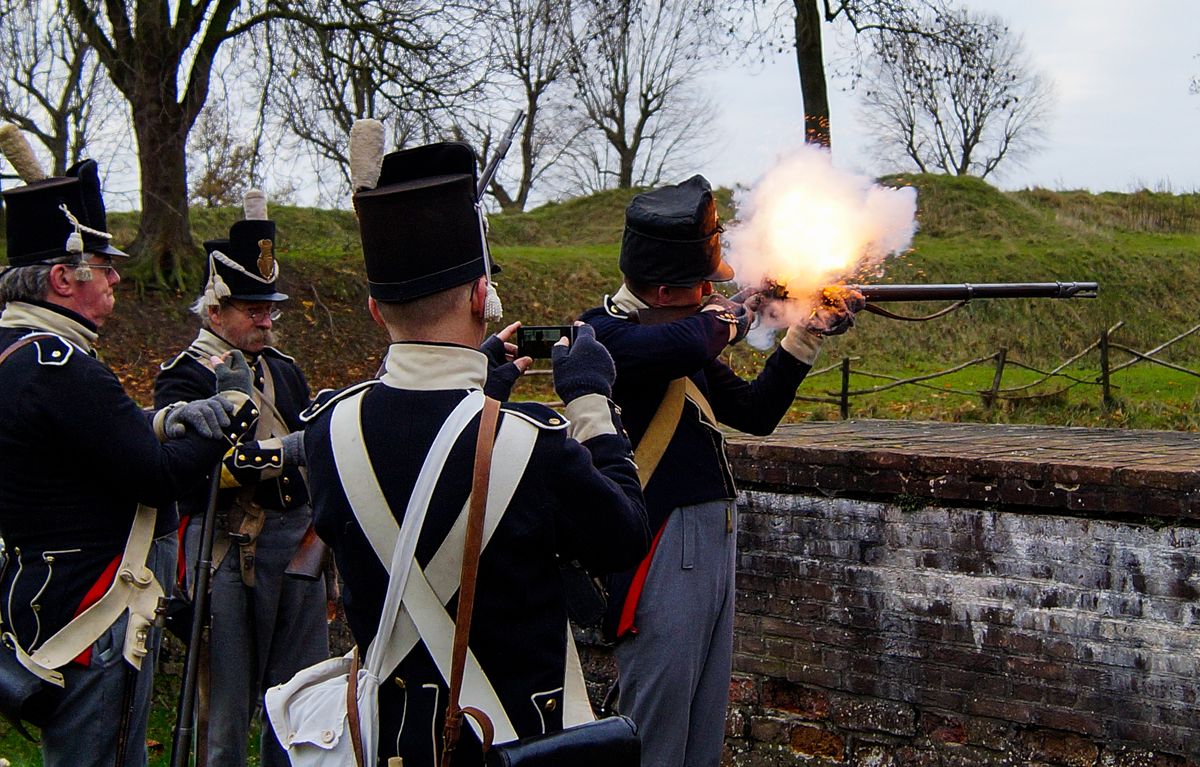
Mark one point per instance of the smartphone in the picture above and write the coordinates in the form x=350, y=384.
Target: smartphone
x=535, y=340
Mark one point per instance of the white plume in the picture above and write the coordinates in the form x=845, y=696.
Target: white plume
x=366, y=153
x=255, y=205
x=20, y=154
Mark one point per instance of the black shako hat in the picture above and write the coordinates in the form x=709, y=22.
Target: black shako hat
x=672, y=236
x=38, y=228
x=422, y=230
x=246, y=261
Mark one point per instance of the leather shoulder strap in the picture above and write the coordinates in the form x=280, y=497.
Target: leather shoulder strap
x=20, y=343
x=470, y=571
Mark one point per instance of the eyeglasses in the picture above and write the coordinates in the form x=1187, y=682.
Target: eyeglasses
x=258, y=315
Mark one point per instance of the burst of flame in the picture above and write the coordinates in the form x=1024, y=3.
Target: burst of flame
x=807, y=224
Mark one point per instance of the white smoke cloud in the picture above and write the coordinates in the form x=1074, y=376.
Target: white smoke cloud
x=807, y=224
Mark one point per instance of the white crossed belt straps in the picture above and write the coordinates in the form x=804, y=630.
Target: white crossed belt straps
x=414, y=607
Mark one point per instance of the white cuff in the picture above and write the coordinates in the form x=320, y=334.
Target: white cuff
x=589, y=417
x=160, y=421
x=801, y=344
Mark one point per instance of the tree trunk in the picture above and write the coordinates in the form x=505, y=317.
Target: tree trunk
x=811, y=62
x=625, y=174
x=165, y=233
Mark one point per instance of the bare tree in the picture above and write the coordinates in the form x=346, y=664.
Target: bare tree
x=54, y=86
x=221, y=164
x=415, y=62
x=635, y=64
x=959, y=107
x=798, y=23
x=530, y=42
x=160, y=56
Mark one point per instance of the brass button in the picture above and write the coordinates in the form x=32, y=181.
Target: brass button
x=287, y=481
x=274, y=459
x=258, y=459
x=551, y=704
x=287, y=499
x=399, y=682
x=555, y=421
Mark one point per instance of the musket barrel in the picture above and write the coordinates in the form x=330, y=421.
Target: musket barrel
x=966, y=291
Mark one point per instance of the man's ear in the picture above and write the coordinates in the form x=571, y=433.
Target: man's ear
x=663, y=296
x=60, y=280
x=373, y=308
x=478, y=296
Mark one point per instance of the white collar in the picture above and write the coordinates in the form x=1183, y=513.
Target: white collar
x=626, y=301
x=433, y=367
x=19, y=314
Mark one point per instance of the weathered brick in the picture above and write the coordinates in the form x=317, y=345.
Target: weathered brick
x=1060, y=748
x=877, y=715
x=813, y=741
x=805, y=702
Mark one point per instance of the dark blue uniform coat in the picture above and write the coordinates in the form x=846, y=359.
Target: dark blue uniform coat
x=78, y=455
x=576, y=501
x=694, y=468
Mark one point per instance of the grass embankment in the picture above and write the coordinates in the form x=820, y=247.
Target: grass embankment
x=1143, y=248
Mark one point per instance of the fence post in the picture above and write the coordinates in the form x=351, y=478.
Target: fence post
x=1104, y=385
x=991, y=395
x=845, y=396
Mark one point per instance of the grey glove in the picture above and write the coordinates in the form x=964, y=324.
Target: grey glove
x=584, y=367
x=835, y=314
x=293, y=449
x=733, y=312
x=206, y=417
x=235, y=375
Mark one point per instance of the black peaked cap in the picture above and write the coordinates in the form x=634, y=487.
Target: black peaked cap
x=251, y=245
x=421, y=228
x=37, y=227
x=672, y=236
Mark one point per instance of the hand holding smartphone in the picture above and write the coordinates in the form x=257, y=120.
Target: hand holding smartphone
x=537, y=340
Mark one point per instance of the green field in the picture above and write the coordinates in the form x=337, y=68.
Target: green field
x=1143, y=248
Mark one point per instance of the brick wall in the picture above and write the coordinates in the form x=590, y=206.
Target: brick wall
x=897, y=628
x=880, y=623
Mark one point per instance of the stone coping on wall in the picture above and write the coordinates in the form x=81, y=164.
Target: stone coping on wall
x=1084, y=470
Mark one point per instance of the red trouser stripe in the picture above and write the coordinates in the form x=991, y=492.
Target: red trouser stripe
x=634, y=594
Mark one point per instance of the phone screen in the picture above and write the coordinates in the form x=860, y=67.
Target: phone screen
x=536, y=340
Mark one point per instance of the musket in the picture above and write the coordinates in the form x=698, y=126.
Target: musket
x=181, y=745
x=967, y=291
x=493, y=164
x=962, y=291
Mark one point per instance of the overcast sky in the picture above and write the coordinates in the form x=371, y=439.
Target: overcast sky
x=1123, y=117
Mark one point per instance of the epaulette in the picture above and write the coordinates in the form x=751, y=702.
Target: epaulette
x=611, y=308
x=185, y=354
x=327, y=397
x=271, y=351
x=537, y=414
x=54, y=351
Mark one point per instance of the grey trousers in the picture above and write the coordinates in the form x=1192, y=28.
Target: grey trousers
x=84, y=729
x=259, y=637
x=674, y=672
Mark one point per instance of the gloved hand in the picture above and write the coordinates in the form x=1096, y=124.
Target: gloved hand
x=503, y=369
x=209, y=418
x=835, y=314
x=736, y=314
x=293, y=449
x=235, y=384
x=234, y=375
x=583, y=366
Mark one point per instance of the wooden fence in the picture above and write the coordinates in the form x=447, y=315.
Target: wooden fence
x=1001, y=360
